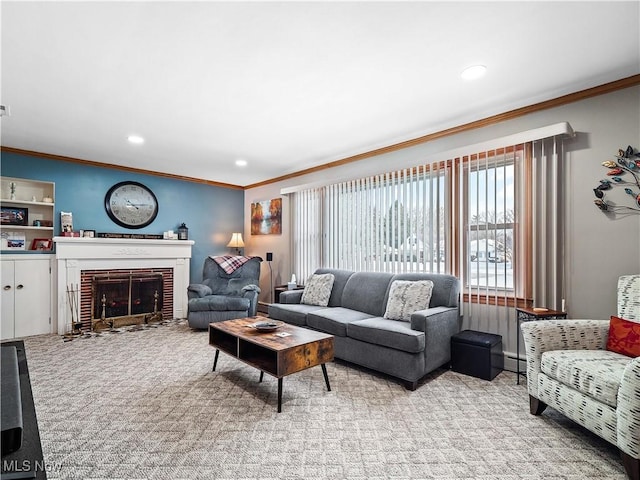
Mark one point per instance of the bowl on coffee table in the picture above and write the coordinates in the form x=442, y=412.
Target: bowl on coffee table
x=267, y=325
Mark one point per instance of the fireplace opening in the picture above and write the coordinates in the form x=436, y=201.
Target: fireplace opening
x=126, y=299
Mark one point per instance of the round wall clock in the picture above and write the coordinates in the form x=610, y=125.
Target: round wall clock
x=131, y=204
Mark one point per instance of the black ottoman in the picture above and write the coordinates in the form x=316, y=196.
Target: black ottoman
x=478, y=354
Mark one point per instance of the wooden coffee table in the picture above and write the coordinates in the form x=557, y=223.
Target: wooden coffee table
x=270, y=353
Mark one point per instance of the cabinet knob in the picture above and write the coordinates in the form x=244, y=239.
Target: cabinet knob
x=20, y=287
x=7, y=287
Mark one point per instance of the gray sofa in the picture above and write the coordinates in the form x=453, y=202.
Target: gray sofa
x=354, y=315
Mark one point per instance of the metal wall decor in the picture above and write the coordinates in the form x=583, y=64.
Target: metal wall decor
x=624, y=173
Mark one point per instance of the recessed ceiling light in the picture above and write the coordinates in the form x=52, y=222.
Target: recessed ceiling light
x=241, y=163
x=137, y=139
x=473, y=72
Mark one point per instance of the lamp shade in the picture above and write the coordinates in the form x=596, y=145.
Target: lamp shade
x=236, y=241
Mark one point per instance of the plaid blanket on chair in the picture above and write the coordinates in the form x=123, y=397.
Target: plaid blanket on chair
x=230, y=263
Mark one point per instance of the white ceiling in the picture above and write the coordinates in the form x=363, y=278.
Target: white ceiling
x=287, y=85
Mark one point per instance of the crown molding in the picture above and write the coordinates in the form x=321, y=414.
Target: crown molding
x=501, y=117
x=93, y=163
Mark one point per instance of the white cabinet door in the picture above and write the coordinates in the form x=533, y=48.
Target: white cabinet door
x=7, y=321
x=26, y=297
x=32, y=298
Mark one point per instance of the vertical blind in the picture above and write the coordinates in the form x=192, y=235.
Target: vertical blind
x=389, y=222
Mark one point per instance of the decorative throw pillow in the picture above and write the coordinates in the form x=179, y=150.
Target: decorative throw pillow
x=624, y=337
x=406, y=297
x=317, y=290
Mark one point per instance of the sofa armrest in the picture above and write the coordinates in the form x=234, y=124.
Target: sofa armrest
x=251, y=292
x=422, y=318
x=290, y=296
x=547, y=335
x=628, y=424
x=198, y=290
x=439, y=324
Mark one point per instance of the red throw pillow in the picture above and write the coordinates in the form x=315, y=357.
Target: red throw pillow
x=624, y=337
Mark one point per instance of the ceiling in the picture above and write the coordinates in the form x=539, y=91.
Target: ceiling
x=287, y=85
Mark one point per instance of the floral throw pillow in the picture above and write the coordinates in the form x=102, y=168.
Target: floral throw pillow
x=317, y=290
x=406, y=297
x=624, y=337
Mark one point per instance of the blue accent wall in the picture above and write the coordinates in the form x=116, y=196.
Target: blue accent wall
x=212, y=213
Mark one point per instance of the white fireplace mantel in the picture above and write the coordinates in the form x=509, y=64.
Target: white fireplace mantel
x=74, y=254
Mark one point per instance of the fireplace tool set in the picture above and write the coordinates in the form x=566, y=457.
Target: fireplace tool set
x=72, y=300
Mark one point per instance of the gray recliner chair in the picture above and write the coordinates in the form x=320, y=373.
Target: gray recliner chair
x=224, y=296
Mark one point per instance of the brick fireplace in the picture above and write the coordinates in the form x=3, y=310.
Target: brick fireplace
x=80, y=261
x=128, y=296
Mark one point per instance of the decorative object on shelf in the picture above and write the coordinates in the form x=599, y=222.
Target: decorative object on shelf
x=89, y=233
x=47, y=199
x=183, y=232
x=627, y=162
x=131, y=204
x=14, y=216
x=236, y=242
x=266, y=217
x=41, y=244
x=12, y=187
x=13, y=241
x=66, y=222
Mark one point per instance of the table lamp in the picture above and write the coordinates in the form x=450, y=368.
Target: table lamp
x=236, y=242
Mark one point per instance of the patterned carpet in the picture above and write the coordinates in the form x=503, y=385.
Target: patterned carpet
x=145, y=405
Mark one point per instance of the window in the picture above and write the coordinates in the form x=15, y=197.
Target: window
x=393, y=222
x=471, y=216
x=490, y=223
x=404, y=221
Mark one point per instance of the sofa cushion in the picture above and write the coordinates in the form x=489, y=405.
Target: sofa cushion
x=406, y=297
x=295, y=313
x=317, y=290
x=366, y=292
x=219, y=303
x=596, y=373
x=446, y=288
x=339, y=282
x=624, y=337
x=380, y=331
x=334, y=320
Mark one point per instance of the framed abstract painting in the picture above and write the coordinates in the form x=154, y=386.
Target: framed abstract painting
x=266, y=217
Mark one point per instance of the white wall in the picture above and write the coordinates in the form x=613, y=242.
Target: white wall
x=598, y=248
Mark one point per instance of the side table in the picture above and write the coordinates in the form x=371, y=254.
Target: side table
x=278, y=289
x=526, y=314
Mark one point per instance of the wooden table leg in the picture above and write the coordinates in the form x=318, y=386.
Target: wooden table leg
x=215, y=360
x=279, y=395
x=326, y=377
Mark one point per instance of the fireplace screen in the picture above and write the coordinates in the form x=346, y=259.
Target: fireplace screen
x=126, y=298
